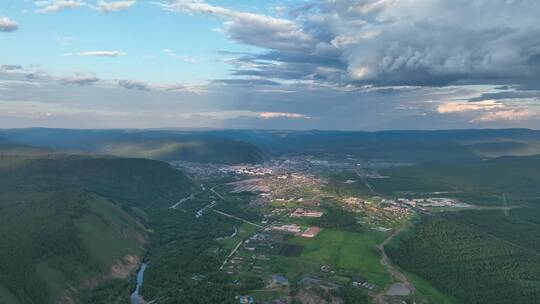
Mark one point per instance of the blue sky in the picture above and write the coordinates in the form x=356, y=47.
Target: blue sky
x=143, y=33
x=324, y=64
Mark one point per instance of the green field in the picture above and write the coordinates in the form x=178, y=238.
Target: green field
x=244, y=231
x=346, y=250
x=432, y=294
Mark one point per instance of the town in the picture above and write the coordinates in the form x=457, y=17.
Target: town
x=293, y=196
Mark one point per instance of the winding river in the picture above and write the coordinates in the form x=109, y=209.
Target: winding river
x=136, y=298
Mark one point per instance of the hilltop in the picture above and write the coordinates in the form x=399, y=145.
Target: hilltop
x=71, y=222
x=157, y=144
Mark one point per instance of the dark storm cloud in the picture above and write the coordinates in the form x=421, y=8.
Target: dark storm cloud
x=507, y=95
x=331, y=64
x=390, y=42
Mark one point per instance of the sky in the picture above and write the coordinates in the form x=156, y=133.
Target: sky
x=270, y=64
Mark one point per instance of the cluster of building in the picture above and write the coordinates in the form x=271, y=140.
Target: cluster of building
x=310, y=232
x=245, y=300
x=255, y=185
x=291, y=228
x=432, y=202
x=366, y=285
x=397, y=210
x=352, y=201
x=255, y=170
x=301, y=212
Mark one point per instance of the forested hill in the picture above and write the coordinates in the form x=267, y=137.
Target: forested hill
x=71, y=222
x=479, y=182
x=252, y=146
x=404, y=145
x=151, y=144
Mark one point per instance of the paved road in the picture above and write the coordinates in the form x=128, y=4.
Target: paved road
x=240, y=219
x=216, y=193
x=176, y=205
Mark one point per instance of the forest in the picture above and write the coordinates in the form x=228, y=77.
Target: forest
x=66, y=218
x=479, y=257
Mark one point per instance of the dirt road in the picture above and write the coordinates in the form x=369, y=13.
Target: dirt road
x=397, y=276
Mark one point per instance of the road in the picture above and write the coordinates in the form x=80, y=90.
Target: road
x=397, y=276
x=200, y=212
x=368, y=185
x=237, y=218
x=231, y=254
x=216, y=193
x=175, y=206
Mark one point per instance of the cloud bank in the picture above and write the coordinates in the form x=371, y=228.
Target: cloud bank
x=105, y=6
x=325, y=64
x=388, y=42
x=101, y=54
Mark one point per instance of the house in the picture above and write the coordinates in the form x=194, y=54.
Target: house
x=287, y=228
x=246, y=299
x=311, y=232
x=279, y=279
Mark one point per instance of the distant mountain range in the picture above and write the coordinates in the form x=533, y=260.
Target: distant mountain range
x=443, y=145
x=159, y=145
x=252, y=146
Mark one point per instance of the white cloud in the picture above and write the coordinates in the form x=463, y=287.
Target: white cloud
x=389, y=42
x=254, y=29
x=101, y=54
x=270, y=115
x=488, y=111
x=244, y=114
x=507, y=115
x=65, y=40
x=8, y=25
x=172, y=54
x=114, y=6
x=49, y=6
x=465, y=106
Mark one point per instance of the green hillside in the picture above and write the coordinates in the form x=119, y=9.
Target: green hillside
x=71, y=222
x=402, y=145
x=196, y=150
x=479, y=257
x=251, y=146
x=479, y=182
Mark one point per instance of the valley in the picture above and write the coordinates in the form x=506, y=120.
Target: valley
x=269, y=152
x=291, y=228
